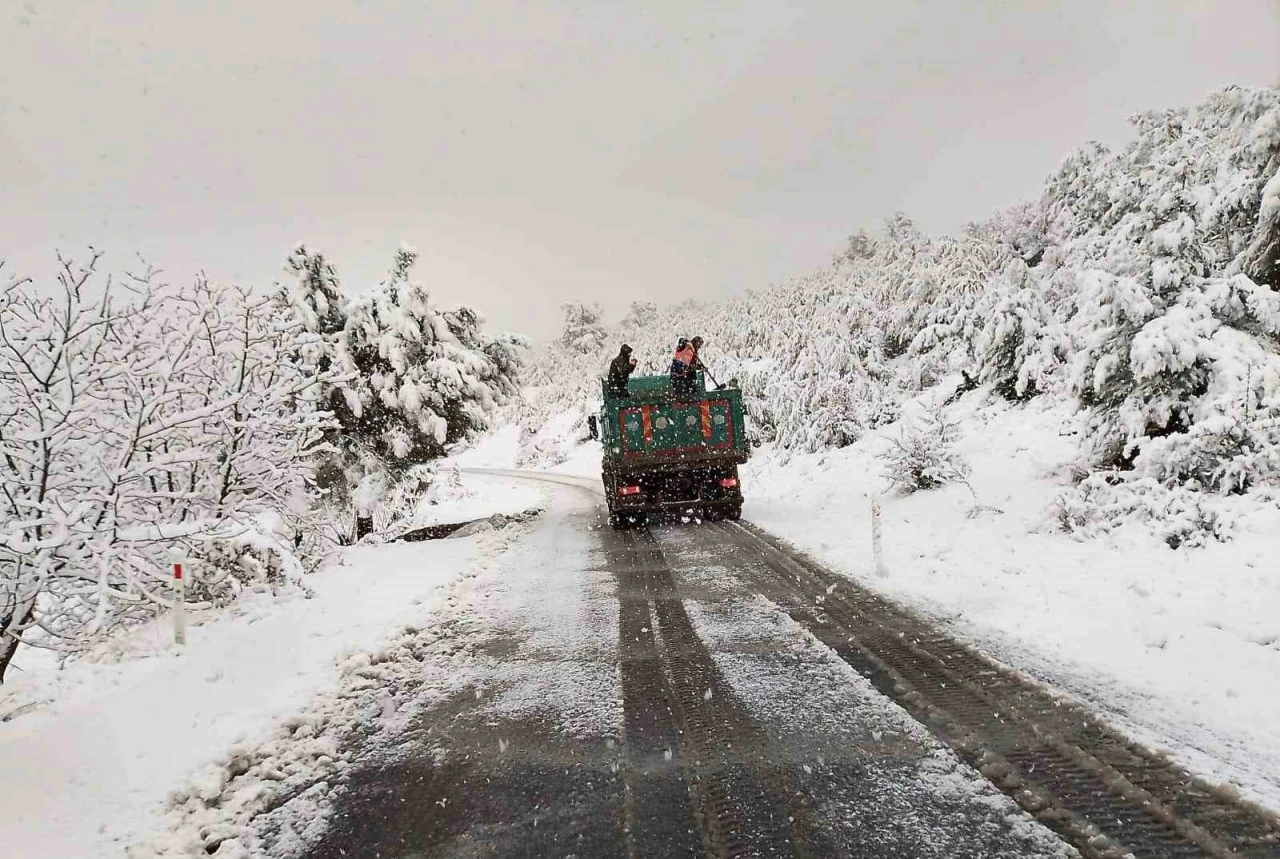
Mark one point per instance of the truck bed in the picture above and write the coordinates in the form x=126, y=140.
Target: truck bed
x=655, y=426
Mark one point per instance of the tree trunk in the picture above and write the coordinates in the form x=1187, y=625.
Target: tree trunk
x=1264, y=257
x=364, y=525
x=9, y=642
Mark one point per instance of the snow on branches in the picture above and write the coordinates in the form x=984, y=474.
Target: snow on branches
x=584, y=328
x=922, y=455
x=408, y=380
x=133, y=415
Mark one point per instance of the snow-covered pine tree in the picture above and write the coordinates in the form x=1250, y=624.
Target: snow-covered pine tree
x=1020, y=344
x=860, y=245
x=584, y=329
x=923, y=454
x=639, y=316
x=313, y=292
x=416, y=379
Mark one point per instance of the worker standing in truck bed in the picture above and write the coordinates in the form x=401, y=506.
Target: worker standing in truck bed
x=620, y=371
x=685, y=365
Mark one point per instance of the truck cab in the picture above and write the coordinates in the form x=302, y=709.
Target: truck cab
x=671, y=452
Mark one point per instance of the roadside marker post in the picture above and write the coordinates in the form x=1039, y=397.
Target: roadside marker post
x=178, y=558
x=877, y=555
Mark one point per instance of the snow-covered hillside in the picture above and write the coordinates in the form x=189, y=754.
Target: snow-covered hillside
x=1137, y=290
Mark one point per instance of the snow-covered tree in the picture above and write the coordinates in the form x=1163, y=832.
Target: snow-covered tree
x=584, y=329
x=313, y=292
x=923, y=456
x=408, y=379
x=639, y=316
x=860, y=245
x=415, y=378
x=134, y=417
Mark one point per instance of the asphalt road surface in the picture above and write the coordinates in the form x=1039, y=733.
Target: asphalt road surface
x=687, y=690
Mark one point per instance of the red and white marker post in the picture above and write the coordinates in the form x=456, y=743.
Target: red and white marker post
x=178, y=558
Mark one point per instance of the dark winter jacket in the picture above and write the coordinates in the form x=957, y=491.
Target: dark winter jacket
x=620, y=372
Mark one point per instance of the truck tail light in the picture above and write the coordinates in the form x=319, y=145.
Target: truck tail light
x=729, y=482
x=628, y=490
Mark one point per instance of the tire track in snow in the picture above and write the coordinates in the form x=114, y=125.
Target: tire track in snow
x=694, y=755
x=1109, y=796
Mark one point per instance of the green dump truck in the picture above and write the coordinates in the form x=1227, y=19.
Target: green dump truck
x=671, y=452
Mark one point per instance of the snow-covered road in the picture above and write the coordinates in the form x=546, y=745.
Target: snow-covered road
x=615, y=702
x=1178, y=648
x=557, y=687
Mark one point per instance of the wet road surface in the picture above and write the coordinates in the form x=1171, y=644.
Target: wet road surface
x=631, y=694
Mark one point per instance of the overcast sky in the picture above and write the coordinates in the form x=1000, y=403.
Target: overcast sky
x=535, y=152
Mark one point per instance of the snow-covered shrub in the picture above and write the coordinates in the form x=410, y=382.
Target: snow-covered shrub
x=398, y=506
x=1107, y=500
x=255, y=552
x=923, y=456
x=370, y=493
x=381, y=503
x=1227, y=454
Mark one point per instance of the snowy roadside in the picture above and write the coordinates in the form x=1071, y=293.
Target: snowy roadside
x=100, y=744
x=522, y=634
x=1178, y=647
x=456, y=498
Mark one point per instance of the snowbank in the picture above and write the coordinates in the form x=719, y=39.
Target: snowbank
x=99, y=745
x=456, y=498
x=497, y=449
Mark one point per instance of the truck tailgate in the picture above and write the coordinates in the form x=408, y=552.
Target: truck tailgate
x=672, y=429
